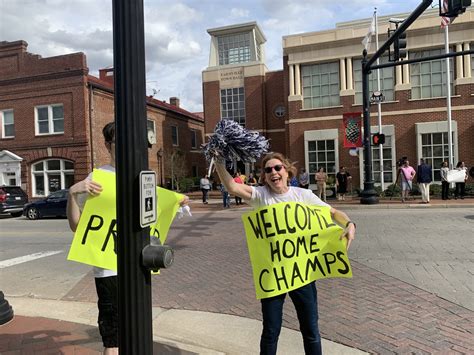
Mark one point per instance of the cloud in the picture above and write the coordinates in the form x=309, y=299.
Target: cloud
x=176, y=41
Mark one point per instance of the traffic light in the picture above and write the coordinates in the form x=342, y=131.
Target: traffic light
x=378, y=138
x=456, y=7
x=399, y=47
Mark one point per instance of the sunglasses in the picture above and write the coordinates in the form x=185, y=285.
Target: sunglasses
x=277, y=168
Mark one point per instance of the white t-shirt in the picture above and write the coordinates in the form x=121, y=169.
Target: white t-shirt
x=263, y=196
x=81, y=200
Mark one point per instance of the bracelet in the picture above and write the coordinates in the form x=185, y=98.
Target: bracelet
x=349, y=222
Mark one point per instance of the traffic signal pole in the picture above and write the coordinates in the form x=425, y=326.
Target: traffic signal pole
x=134, y=282
x=368, y=196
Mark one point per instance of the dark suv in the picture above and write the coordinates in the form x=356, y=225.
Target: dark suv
x=12, y=200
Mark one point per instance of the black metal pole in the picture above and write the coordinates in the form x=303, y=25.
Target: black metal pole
x=134, y=283
x=368, y=195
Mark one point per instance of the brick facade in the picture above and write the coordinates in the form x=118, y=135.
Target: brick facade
x=403, y=115
x=27, y=81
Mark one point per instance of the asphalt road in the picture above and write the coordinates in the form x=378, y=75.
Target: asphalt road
x=431, y=249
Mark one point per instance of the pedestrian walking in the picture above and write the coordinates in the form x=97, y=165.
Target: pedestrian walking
x=205, y=186
x=424, y=178
x=277, y=170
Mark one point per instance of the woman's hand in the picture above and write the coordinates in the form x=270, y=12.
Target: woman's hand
x=86, y=186
x=349, y=234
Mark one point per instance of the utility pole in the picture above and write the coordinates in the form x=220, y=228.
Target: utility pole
x=134, y=281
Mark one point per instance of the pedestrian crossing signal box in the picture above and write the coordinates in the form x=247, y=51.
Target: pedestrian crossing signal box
x=378, y=138
x=147, y=198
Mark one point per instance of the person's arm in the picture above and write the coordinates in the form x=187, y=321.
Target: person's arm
x=240, y=190
x=343, y=220
x=73, y=210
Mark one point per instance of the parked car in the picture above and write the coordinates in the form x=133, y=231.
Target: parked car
x=12, y=200
x=52, y=206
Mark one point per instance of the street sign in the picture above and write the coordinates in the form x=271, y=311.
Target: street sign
x=147, y=198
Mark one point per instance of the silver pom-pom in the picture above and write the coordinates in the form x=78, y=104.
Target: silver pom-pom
x=231, y=141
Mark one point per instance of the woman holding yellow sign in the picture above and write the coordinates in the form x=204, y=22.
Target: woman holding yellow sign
x=277, y=170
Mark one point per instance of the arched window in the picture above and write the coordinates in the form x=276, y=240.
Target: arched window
x=51, y=175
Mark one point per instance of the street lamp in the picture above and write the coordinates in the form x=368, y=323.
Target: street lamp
x=159, y=155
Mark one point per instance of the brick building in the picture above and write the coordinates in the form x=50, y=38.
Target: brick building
x=51, y=117
x=300, y=108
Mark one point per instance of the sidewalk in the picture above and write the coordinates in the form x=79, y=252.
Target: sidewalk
x=62, y=327
x=69, y=327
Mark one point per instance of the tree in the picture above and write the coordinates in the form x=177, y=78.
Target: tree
x=175, y=165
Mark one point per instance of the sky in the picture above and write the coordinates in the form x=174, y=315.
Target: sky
x=176, y=39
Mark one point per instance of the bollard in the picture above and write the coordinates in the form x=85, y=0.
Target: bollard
x=6, y=311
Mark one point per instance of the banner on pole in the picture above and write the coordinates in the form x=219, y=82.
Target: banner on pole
x=352, y=126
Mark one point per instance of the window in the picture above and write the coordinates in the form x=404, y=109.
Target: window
x=234, y=48
x=174, y=135
x=194, y=171
x=320, y=85
x=387, y=162
x=193, y=139
x=435, y=150
x=51, y=175
x=387, y=80
x=8, y=124
x=233, y=104
x=428, y=79
x=321, y=153
x=49, y=119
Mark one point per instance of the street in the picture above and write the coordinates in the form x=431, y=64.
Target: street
x=405, y=262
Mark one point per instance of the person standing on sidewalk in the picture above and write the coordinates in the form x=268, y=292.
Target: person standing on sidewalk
x=407, y=174
x=303, y=179
x=105, y=280
x=342, y=181
x=424, y=180
x=205, y=186
x=444, y=181
x=277, y=169
x=321, y=180
x=225, y=196
x=461, y=186
x=238, y=180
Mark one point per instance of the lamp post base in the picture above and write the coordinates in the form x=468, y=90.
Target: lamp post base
x=6, y=311
x=369, y=197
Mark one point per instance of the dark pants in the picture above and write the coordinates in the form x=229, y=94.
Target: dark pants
x=305, y=300
x=460, y=189
x=225, y=199
x=204, y=195
x=106, y=288
x=238, y=200
x=444, y=190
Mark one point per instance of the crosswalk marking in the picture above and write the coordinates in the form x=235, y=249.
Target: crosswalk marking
x=26, y=258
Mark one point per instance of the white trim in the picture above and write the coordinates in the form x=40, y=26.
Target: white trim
x=436, y=127
x=50, y=120
x=2, y=118
x=45, y=173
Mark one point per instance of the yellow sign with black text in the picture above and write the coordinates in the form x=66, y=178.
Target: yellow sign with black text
x=94, y=241
x=292, y=244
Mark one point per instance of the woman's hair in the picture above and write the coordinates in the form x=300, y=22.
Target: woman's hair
x=109, y=132
x=458, y=165
x=289, y=166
